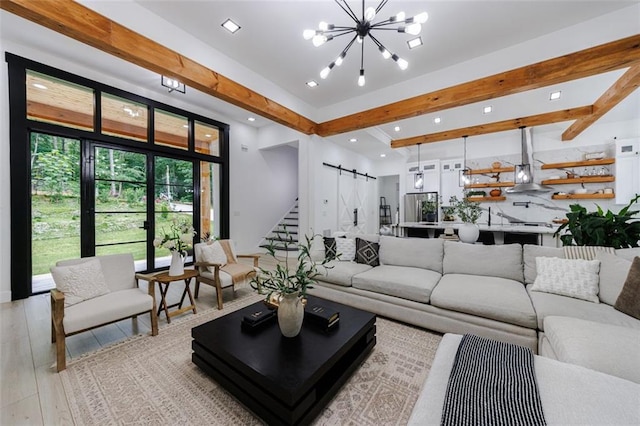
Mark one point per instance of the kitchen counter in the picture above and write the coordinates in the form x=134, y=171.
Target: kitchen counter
x=545, y=233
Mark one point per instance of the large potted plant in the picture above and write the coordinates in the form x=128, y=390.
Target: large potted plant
x=288, y=282
x=600, y=228
x=469, y=212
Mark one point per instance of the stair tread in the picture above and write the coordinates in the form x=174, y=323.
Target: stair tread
x=281, y=248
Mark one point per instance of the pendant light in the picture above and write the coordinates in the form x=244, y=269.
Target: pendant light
x=464, y=173
x=418, y=181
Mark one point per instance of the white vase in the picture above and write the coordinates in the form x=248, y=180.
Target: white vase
x=290, y=314
x=469, y=233
x=177, y=264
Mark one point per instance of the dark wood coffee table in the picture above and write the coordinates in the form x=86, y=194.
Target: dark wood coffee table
x=284, y=380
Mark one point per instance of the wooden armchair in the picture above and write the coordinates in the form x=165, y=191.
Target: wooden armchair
x=218, y=267
x=123, y=299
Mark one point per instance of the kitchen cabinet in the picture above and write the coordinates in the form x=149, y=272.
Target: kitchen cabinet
x=431, y=176
x=450, y=180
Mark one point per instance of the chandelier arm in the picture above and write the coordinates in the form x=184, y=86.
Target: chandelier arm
x=375, y=40
x=385, y=23
x=381, y=5
x=340, y=29
x=348, y=10
x=346, y=49
x=362, y=53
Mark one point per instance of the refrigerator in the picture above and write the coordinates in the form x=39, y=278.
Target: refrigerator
x=413, y=206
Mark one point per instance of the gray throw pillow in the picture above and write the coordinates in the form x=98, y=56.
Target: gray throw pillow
x=629, y=300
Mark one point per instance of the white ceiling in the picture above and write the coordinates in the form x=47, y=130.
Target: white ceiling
x=270, y=44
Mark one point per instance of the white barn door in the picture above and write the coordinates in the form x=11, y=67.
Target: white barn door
x=354, y=204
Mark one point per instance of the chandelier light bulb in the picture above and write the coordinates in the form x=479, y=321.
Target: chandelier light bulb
x=325, y=72
x=385, y=53
x=369, y=14
x=324, y=26
x=361, y=80
x=421, y=18
x=319, y=39
x=398, y=18
x=308, y=34
x=360, y=39
x=401, y=62
x=413, y=29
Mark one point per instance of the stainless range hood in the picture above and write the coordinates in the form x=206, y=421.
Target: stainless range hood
x=524, y=171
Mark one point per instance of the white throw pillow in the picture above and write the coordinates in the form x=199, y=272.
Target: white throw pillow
x=568, y=277
x=214, y=253
x=346, y=247
x=80, y=282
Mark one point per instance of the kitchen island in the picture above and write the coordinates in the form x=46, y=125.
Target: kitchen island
x=531, y=233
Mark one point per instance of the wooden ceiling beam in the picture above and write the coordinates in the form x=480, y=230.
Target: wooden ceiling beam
x=83, y=24
x=585, y=63
x=622, y=88
x=498, y=126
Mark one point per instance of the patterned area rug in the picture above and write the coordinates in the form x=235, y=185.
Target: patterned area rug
x=151, y=380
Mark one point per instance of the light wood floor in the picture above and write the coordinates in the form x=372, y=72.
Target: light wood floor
x=31, y=391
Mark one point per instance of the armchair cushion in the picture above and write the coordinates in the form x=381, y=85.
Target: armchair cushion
x=212, y=253
x=104, y=309
x=80, y=282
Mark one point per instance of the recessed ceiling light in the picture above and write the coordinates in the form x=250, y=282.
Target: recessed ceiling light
x=397, y=128
x=353, y=140
x=207, y=135
x=487, y=109
x=312, y=83
x=186, y=126
x=251, y=119
x=230, y=26
x=40, y=86
x=554, y=96
x=437, y=120
x=383, y=155
x=415, y=42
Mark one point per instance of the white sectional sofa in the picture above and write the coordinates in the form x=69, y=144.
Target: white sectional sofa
x=588, y=371
x=452, y=287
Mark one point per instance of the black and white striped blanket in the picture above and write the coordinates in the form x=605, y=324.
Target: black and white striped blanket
x=492, y=383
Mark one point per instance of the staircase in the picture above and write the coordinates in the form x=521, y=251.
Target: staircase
x=284, y=236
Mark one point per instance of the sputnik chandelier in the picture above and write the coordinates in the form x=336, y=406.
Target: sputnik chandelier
x=363, y=28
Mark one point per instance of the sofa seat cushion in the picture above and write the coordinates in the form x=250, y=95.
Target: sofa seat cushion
x=495, y=298
x=340, y=272
x=611, y=349
x=503, y=261
x=225, y=279
x=547, y=304
x=401, y=281
x=103, y=309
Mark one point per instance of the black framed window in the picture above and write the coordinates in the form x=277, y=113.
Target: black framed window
x=124, y=164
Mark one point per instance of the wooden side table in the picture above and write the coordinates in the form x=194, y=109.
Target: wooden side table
x=166, y=279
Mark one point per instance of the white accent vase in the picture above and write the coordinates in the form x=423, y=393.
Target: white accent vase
x=469, y=233
x=177, y=264
x=290, y=314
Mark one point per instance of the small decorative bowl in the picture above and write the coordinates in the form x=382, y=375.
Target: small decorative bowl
x=496, y=164
x=495, y=192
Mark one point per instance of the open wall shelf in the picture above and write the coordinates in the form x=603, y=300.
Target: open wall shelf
x=490, y=185
x=587, y=163
x=583, y=179
x=485, y=199
x=490, y=171
x=582, y=196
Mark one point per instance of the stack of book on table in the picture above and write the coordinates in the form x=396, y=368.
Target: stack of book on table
x=321, y=316
x=258, y=318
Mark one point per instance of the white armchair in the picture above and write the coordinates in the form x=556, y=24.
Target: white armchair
x=96, y=291
x=218, y=267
